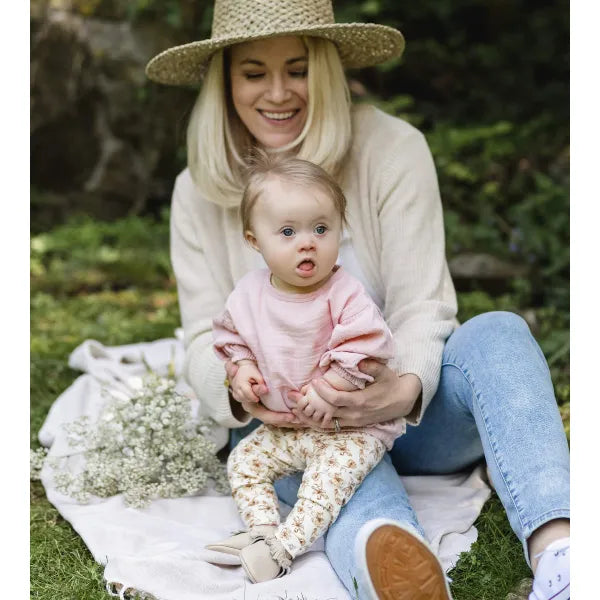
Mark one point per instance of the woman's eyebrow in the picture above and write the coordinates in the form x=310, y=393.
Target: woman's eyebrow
x=254, y=61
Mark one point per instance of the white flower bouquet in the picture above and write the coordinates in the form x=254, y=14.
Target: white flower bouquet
x=145, y=446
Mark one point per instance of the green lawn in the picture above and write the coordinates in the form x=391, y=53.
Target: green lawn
x=112, y=282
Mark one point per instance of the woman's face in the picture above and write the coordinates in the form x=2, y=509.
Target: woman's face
x=269, y=88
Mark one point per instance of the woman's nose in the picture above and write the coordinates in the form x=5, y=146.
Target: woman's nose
x=278, y=91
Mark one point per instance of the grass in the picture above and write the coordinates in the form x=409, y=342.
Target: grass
x=110, y=282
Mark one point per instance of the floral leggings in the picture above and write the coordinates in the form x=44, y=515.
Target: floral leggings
x=334, y=465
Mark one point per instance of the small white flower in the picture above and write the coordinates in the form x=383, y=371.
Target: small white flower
x=135, y=383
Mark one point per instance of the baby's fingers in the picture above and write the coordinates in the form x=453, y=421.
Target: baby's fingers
x=318, y=415
x=259, y=389
x=247, y=394
x=308, y=410
x=327, y=420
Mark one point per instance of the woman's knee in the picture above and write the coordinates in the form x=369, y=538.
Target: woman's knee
x=494, y=323
x=490, y=331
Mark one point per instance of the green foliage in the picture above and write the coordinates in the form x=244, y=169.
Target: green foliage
x=88, y=255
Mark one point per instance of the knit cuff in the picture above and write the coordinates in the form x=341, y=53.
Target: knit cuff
x=344, y=374
x=206, y=375
x=427, y=369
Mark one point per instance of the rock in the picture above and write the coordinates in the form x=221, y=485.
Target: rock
x=522, y=590
x=104, y=140
x=483, y=266
x=483, y=271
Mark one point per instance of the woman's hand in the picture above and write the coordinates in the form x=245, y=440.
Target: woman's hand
x=388, y=397
x=272, y=417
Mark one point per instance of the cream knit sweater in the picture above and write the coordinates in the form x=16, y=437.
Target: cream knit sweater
x=395, y=216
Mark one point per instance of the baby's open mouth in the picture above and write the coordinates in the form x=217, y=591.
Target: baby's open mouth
x=306, y=265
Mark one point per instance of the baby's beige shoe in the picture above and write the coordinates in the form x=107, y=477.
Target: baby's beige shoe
x=235, y=543
x=258, y=563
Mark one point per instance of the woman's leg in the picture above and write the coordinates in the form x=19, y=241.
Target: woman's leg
x=496, y=399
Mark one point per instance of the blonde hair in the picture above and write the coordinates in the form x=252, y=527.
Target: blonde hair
x=218, y=143
x=291, y=169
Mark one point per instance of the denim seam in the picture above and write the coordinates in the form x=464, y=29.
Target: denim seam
x=513, y=496
x=547, y=516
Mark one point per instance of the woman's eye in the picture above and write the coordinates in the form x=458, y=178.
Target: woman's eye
x=320, y=229
x=287, y=232
x=299, y=74
x=253, y=75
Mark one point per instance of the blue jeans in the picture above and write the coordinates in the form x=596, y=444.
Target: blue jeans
x=495, y=400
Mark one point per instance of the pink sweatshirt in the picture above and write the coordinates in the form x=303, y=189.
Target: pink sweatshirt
x=295, y=338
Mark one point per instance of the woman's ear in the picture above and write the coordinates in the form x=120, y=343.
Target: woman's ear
x=251, y=239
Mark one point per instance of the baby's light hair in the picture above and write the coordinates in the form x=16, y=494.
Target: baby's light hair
x=264, y=166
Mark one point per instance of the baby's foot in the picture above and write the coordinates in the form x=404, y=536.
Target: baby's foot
x=259, y=564
x=234, y=544
x=552, y=577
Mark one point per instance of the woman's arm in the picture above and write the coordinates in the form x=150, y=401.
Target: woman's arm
x=199, y=301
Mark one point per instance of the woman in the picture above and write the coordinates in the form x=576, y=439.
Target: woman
x=272, y=76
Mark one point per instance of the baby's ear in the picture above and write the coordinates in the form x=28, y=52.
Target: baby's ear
x=251, y=239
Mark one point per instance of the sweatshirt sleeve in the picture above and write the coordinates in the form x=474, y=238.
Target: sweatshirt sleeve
x=420, y=302
x=228, y=343
x=199, y=301
x=361, y=332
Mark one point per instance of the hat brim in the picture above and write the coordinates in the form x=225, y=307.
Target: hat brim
x=359, y=45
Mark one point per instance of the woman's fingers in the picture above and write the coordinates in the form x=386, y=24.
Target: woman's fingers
x=330, y=394
x=270, y=417
x=372, y=367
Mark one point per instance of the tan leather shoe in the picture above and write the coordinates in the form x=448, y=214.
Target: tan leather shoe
x=258, y=563
x=400, y=565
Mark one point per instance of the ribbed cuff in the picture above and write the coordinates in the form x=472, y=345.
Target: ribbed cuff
x=425, y=368
x=344, y=374
x=205, y=373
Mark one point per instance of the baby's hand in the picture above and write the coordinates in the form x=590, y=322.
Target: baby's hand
x=246, y=377
x=312, y=405
x=318, y=408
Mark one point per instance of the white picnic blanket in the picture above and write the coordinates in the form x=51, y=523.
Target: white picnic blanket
x=160, y=549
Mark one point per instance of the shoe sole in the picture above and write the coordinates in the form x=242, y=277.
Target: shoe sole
x=403, y=568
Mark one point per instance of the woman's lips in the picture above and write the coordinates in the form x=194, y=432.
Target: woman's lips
x=279, y=118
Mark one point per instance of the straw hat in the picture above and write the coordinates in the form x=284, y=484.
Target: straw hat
x=235, y=21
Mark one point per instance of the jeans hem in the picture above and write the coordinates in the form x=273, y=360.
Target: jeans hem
x=557, y=513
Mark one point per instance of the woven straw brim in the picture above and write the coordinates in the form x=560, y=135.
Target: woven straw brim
x=359, y=45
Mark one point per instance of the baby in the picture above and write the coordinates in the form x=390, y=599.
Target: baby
x=302, y=318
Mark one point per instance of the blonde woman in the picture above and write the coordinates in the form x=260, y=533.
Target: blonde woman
x=272, y=77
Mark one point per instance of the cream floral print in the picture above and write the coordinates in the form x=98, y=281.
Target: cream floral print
x=334, y=465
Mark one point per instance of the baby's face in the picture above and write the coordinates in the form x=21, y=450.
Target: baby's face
x=297, y=230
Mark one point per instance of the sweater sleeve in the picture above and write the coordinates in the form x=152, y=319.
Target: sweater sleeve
x=361, y=332
x=199, y=301
x=228, y=343
x=420, y=302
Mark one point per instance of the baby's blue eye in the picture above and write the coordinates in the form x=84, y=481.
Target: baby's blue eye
x=320, y=229
x=287, y=231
